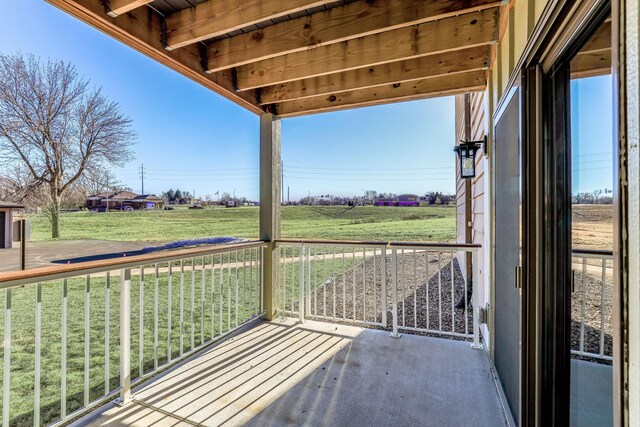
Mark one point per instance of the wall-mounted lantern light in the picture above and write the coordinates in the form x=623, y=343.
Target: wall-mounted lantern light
x=467, y=154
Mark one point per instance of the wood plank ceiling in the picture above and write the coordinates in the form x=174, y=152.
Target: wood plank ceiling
x=295, y=57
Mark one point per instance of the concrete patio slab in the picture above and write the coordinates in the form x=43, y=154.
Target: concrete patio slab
x=318, y=374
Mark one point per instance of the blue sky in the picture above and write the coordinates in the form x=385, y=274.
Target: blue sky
x=194, y=139
x=191, y=138
x=591, y=134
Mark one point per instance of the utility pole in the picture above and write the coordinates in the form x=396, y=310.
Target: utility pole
x=282, y=181
x=288, y=194
x=142, y=176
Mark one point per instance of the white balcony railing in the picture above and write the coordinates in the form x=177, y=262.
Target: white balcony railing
x=417, y=287
x=592, y=304
x=76, y=336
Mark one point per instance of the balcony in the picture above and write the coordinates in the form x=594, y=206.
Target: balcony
x=315, y=373
x=369, y=333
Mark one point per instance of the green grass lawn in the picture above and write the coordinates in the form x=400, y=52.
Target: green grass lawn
x=312, y=222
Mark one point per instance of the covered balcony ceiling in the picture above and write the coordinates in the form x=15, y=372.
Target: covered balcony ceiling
x=299, y=57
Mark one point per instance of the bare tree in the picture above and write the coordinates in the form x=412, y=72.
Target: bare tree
x=58, y=127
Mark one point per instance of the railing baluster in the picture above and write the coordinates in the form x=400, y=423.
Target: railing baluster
x=293, y=281
x=6, y=381
x=203, y=282
x=453, y=310
x=220, y=298
x=63, y=354
x=353, y=283
x=169, y=314
x=334, y=280
x=383, y=295
x=125, y=336
x=244, y=288
x=394, y=293
x=603, y=279
x=415, y=290
x=229, y=292
x=301, y=290
x=466, y=302
x=344, y=285
x=155, y=317
x=260, y=280
x=38, y=351
x=476, y=306
x=213, y=300
x=364, y=285
x=237, y=296
x=107, y=333
x=426, y=268
x=439, y=292
x=193, y=304
x=324, y=282
x=141, y=326
x=404, y=287
x=375, y=285
x=181, y=312
x=87, y=337
x=582, y=302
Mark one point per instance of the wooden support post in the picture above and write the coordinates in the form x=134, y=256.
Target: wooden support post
x=23, y=244
x=270, y=191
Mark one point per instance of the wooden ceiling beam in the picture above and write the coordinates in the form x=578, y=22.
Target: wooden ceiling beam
x=464, y=31
x=118, y=7
x=473, y=59
x=359, y=19
x=428, y=88
x=140, y=29
x=215, y=17
x=591, y=63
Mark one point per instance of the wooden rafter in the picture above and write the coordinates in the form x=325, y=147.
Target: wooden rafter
x=473, y=59
x=214, y=18
x=359, y=19
x=118, y=7
x=464, y=31
x=141, y=30
x=427, y=88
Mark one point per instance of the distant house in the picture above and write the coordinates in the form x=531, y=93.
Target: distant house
x=123, y=200
x=408, y=200
x=385, y=201
x=6, y=223
x=401, y=200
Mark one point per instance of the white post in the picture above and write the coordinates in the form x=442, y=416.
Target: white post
x=384, y=286
x=125, y=336
x=475, y=297
x=301, y=298
x=394, y=292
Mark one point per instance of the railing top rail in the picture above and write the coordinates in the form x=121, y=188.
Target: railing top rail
x=19, y=278
x=594, y=252
x=331, y=242
x=425, y=245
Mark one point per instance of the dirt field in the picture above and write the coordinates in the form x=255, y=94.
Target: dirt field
x=593, y=226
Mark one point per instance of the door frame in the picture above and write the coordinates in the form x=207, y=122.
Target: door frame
x=547, y=264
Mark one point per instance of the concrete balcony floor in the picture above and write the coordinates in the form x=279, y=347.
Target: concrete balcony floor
x=317, y=374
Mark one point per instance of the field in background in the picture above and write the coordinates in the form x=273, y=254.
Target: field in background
x=313, y=222
x=592, y=227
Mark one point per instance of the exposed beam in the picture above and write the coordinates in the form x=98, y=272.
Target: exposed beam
x=216, y=17
x=118, y=7
x=589, y=64
x=464, y=31
x=601, y=40
x=140, y=29
x=359, y=19
x=427, y=88
x=473, y=59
